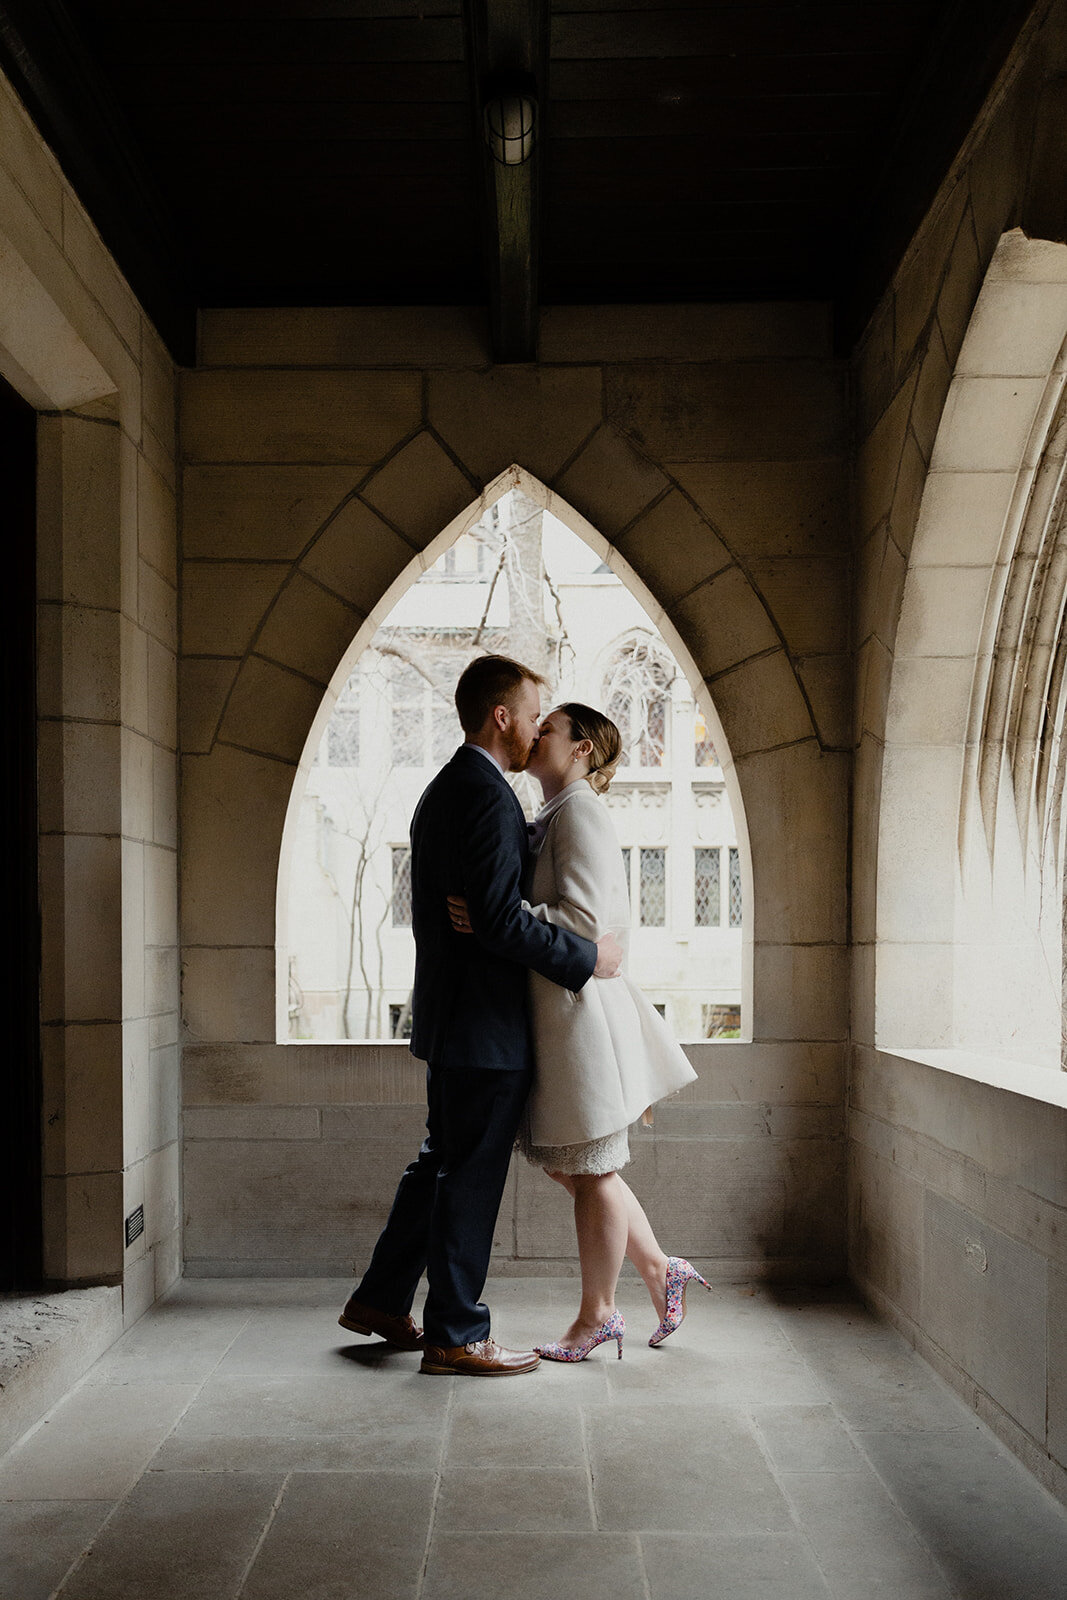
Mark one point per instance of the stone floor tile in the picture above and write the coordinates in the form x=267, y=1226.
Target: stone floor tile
x=755, y=1566
x=247, y=1293
x=179, y=1343
x=213, y=1452
x=40, y=1540
x=993, y=1531
x=546, y=1435
x=725, y=1380
x=337, y=1535
x=514, y=1499
x=806, y=1439
x=877, y=1381
x=552, y=1385
x=863, y=1545
x=693, y=1468
x=178, y=1536
x=401, y=1421
x=305, y=1340
x=95, y=1443
x=534, y=1566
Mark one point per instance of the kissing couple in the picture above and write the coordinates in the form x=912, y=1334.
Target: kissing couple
x=530, y=1028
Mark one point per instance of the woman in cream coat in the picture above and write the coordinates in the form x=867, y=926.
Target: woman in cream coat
x=604, y=1056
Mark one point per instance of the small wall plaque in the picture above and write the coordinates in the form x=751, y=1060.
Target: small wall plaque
x=134, y=1225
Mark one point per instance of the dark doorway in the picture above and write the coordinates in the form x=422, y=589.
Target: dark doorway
x=20, y=1071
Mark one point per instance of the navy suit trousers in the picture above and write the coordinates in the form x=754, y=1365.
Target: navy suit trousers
x=444, y=1213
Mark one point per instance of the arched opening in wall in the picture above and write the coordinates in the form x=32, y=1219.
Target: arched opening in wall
x=969, y=958
x=520, y=573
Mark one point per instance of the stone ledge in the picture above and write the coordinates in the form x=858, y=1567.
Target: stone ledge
x=48, y=1342
x=1031, y=1079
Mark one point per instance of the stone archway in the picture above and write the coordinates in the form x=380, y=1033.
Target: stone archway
x=515, y=478
x=969, y=862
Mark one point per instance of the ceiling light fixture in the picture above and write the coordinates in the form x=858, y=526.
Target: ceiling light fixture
x=510, y=122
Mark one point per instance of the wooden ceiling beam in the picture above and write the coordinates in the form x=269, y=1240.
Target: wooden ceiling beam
x=508, y=47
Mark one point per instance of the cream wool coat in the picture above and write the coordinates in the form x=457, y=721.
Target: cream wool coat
x=605, y=1054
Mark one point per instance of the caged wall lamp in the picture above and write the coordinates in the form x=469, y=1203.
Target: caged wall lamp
x=510, y=122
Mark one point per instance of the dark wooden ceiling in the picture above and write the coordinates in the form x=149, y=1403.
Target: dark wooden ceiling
x=251, y=152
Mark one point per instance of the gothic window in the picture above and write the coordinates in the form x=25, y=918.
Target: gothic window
x=653, y=887
x=626, y=857
x=735, y=888
x=401, y=898
x=636, y=698
x=707, y=911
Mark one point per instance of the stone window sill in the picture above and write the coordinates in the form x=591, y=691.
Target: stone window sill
x=1028, y=1078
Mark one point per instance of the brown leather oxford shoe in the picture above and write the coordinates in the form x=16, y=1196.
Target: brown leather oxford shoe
x=483, y=1359
x=398, y=1331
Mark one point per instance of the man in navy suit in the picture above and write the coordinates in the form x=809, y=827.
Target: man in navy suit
x=469, y=1023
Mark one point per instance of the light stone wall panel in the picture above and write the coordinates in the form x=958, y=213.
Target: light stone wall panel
x=419, y=490
x=321, y=418
x=83, y=353
x=357, y=556
x=259, y=512
x=984, y=1301
x=826, y=682
x=205, y=686
x=748, y=411
x=723, y=623
x=270, y=709
x=786, y=508
x=480, y=414
x=308, y=629
x=672, y=548
x=796, y=804
x=224, y=603
x=610, y=482
x=1057, y=1362
x=761, y=704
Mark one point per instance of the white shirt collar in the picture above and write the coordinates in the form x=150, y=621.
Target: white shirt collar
x=482, y=751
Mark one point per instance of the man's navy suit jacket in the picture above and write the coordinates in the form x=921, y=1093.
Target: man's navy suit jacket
x=468, y=837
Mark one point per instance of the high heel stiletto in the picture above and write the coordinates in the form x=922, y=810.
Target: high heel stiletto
x=679, y=1276
x=614, y=1328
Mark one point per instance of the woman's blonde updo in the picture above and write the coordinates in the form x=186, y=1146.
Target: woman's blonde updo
x=604, y=737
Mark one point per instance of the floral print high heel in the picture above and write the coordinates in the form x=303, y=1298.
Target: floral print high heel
x=679, y=1276
x=614, y=1328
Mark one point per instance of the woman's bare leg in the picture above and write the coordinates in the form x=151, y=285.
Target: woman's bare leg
x=602, y=1225
x=641, y=1247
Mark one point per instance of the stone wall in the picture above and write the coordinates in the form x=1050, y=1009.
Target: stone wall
x=75, y=343
x=956, y=1186
x=322, y=452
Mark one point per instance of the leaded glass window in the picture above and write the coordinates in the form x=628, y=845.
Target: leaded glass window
x=626, y=855
x=401, y=901
x=735, y=888
x=703, y=750
x=653, y=887
x=707, y=892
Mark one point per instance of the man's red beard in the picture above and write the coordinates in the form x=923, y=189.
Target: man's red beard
x=518, y=751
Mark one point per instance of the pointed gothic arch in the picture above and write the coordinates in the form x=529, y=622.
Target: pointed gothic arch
x=514, y=478
x=969, y=909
